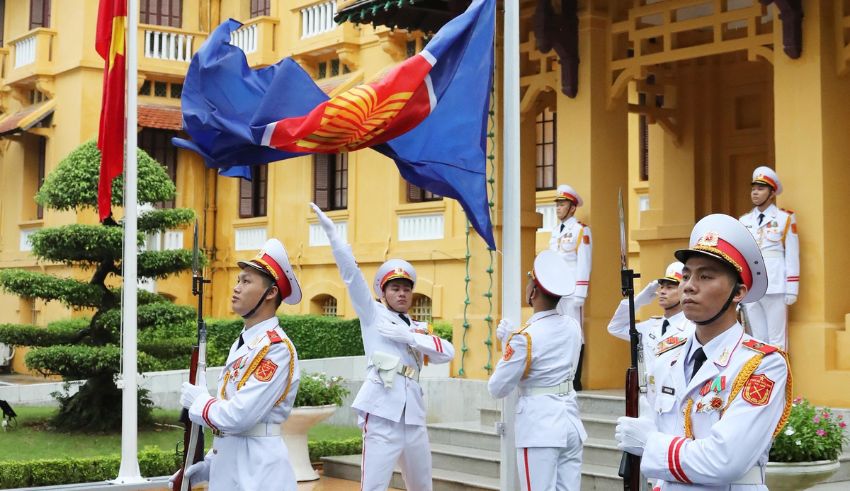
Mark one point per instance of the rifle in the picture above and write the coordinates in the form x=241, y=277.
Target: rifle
x=193, y=434
x=630, y=464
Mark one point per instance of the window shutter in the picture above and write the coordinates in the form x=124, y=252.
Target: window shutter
x=414, y=193
x=2, y=20
x=246, y=198
x=261, y=173
x=643, y=150
x=340, y=181
x=321, y=180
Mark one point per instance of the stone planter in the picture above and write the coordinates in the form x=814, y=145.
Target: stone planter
x=294, y=431
x=798, y=475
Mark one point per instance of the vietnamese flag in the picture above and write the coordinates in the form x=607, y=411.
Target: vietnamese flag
x=110, y=43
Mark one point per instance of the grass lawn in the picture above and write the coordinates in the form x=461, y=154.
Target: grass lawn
x=32, y=439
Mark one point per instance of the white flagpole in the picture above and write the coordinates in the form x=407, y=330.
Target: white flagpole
x=511, y=246
x=129, y=472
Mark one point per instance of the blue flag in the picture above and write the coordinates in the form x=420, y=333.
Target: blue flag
x=429, y=113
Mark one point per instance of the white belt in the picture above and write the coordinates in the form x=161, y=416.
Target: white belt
x=563, y=388
x=773, y=254
x=259, y=430
x=753, y=476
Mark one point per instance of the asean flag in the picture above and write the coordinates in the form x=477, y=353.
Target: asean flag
x=110, y=45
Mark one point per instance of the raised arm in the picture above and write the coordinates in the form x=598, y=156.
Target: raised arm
x=358, y=289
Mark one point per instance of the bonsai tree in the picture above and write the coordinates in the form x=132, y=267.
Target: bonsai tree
x=89, y=348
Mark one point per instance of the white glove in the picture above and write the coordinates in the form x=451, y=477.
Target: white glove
x=196, y=473
x=632, y=433
x=504, y=329
x=396, y=333
x=326, y=223
x=190, y=392
x=790, y=299
x=646, y=295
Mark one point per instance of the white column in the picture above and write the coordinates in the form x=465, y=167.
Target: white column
x=511, y=253
x=129, y=472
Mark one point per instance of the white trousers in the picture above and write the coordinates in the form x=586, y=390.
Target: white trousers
x=549, y=469
x=386, y=442
x=768, y=319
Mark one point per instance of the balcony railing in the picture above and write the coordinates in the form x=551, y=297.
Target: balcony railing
x=161, y=44
x=317, y=19
x=318, y=236
x=249, y=238
x=30, y=54
x=245, y=38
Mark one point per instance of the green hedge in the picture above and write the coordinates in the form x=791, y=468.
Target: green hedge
x=152, y=462
x=313, y=336
x=330, y=448
x=48, y=472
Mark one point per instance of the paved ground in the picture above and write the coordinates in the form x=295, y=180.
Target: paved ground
x=18, y=379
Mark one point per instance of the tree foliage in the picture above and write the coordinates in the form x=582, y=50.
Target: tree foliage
x=88, y=349
x=73, y=185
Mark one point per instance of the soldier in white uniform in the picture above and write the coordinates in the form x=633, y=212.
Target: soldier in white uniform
x=656, y=330
x=539, y=359
x=256, y=388
x=775, y=231
x=571, y=239
x=390, y=403
x=722, y=395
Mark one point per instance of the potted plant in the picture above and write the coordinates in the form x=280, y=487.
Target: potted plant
x=806, y=450
x=317, y=399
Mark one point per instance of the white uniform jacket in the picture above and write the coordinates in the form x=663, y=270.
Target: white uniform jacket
x=543, y=420
x=716, y=431
x=405, y=396
x=651, y=338
x=574, y=245
x=780, y=246
x=256, y=390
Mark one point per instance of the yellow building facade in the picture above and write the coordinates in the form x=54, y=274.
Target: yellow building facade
x=676, y=101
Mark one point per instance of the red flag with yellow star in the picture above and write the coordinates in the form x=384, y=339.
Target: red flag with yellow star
x=110, y=43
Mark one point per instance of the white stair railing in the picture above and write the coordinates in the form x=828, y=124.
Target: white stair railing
x=245, y=38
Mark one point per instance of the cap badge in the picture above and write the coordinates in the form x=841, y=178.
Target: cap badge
x=709, y=239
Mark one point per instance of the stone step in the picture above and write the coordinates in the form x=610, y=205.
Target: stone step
x=471, y=434
x=600, y=478
x=599, y=426
x=474, y=461
x=599, y=402
x=348, y=467
x=489, y=417
x=594, y=477
x=601, y=452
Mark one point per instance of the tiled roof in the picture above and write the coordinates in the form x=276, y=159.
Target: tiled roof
x=26, y=118
x=162, y=117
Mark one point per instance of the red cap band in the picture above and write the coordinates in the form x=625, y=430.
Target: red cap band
x=397, y=273
x=731, y=255
x=567, y=196
x=763, y=179
x=273, y=268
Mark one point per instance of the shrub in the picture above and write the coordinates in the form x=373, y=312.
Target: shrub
x=330, y=448
x=809, y=434
x=47, y=472
x=443, y=329
x=317, y=389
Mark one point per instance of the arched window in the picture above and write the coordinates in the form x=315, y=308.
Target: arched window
x=324, y=305
x=421, y=308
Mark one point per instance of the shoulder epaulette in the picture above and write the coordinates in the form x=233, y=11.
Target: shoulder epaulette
x=760, y=347
x=670, y=343
x=790, y=212
x=655, y=317
x=274, y=337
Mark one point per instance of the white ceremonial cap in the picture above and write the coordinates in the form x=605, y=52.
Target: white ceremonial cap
x=673, y=273
x=552, y=275
x=273, y=261
x=765, y=175
x=728, y=240
x=393, y=269
x=566, y=192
